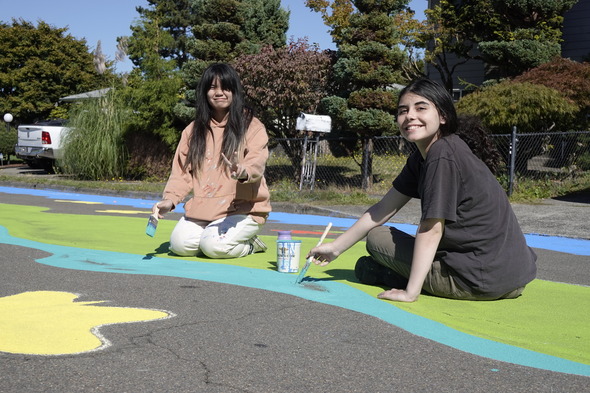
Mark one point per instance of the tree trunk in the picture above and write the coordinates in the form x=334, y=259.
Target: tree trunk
x=367, y=164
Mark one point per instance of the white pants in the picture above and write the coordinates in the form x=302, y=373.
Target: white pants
x=228, y=237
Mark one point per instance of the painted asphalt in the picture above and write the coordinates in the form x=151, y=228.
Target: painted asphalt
x=226, y=337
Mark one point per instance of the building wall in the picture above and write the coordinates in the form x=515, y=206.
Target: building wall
x=471, y=72
x=576, y=32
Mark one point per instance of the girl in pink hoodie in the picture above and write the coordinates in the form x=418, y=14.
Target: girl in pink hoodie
x=221, y=159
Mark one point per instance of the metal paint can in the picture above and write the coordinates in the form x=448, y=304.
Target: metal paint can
x=288, y=255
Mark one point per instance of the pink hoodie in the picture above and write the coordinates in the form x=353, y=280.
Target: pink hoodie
x=215, y=193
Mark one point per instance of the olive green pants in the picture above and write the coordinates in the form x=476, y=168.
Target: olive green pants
x=394, y=249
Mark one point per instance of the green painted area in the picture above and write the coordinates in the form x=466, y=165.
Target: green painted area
x=550, y=318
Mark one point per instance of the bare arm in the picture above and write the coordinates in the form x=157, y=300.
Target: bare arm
x=376, y=215
x=427, y=240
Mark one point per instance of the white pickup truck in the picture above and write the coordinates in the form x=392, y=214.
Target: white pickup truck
x=40, y=144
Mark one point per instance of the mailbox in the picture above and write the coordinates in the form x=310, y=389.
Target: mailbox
x=316, y=123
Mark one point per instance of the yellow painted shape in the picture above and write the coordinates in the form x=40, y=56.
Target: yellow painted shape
x=147, y=212
x=52, y=323
x=82, y=202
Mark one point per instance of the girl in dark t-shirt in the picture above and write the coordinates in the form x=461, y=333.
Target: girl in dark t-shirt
x=469, y=244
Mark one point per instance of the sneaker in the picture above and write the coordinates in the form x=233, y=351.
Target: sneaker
x=369, y=272
x=257, y=245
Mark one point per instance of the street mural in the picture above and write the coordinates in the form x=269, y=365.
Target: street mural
x=113, y=240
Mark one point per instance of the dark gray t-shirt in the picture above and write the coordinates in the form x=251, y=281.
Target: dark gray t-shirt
x=482, y=240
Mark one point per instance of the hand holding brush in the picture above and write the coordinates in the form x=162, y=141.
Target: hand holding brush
x=310, y=257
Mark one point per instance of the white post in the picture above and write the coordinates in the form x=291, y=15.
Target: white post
x=7, y=118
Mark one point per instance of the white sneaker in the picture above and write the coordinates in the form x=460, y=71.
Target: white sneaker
x=257, y=245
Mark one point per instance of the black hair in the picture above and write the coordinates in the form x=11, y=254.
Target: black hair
x=473, y=132
x=239, y=116
x=468, y=128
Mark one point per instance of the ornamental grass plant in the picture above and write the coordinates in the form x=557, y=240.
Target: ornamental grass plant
x=94, y=148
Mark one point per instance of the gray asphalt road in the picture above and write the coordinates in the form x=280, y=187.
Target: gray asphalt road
x=235, y=339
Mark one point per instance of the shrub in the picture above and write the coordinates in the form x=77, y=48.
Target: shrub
x=570, y=78
x=7, y=141
x=149, y=156
x=529, y=107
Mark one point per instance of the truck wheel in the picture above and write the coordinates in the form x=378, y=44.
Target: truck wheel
x=47, y=165
x=34, y=164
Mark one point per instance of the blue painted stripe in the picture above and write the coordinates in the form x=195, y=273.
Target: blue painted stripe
x=105, y=199
x=554, y=243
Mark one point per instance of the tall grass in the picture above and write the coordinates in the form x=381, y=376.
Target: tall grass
x=94, y=148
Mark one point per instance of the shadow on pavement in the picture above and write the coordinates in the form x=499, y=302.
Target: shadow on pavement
x=582, y=196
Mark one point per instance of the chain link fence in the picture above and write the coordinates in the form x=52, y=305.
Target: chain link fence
x=324, y=161
x=551, y=155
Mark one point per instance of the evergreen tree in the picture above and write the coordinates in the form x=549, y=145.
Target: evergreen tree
x=529, y=35
x=265, y=23
x=153, y=90
x=442, y=38
x=39, y=65
x=147, y=45
x=217, y=33
x=172, y=17
x=509, y=37
x=226, y=29
x=369, y=64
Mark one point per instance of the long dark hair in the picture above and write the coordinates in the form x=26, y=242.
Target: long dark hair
x=239, y=116
x=473, y=132
x=468, y=128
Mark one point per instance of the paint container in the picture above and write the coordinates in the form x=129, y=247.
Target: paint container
x=288, y=255
x=284, y=235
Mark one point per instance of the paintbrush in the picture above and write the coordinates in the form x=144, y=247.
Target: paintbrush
x=308, y=262
x=150, y=230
